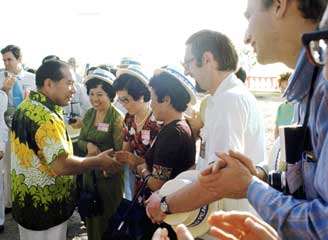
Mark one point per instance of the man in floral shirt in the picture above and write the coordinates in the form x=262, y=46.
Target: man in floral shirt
x=43, y=188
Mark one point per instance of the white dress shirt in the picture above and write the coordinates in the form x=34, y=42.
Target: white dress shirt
x=232, y=121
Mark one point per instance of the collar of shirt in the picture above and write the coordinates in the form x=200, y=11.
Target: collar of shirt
x=39, y=97
x=299, y=83
x=227, y=83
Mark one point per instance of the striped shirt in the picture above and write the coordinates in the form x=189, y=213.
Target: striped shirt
x=293, y=218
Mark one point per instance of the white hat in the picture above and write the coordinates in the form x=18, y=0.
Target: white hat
x=196, y=220
x=127, y=61
x=135, y=71
x=184, y=80
x=102, y=75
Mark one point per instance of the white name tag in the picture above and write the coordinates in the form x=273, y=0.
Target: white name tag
x=145, y=136
x=103, y=127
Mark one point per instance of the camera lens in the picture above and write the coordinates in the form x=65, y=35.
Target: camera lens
x=275, y=181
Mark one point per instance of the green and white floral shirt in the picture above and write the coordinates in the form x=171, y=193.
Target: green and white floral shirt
x=40, y=198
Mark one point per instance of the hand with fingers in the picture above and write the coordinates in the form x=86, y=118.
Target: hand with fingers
x=108, y=163
x=129, y=158
x=235, y=225
x=161, y=234
x=226, y=178
x=195, y=121
x=181, y=231
x=153, y=209
x=77, y=123
x=8, y=83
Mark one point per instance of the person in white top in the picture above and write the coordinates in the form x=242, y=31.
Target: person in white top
x=16, y=83
x=231, y=118
x=3, y=140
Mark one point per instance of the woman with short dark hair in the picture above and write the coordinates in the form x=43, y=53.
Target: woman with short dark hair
x=102, y=129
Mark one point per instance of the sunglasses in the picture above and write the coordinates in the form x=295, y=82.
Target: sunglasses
x=315, y=44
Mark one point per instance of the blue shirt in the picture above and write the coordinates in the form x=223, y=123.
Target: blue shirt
x=293, y=218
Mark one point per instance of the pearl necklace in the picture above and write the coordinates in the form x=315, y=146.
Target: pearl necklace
x=143, y=121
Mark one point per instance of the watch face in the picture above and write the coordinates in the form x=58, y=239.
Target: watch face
x=164, y=207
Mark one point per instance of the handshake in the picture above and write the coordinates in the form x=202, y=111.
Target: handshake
x=112, y=162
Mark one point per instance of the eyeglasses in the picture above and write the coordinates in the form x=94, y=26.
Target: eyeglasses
x=316, y=45
x=186, y=63
x=124, y=100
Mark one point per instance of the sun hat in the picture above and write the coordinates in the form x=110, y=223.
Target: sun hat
x=135, y=71
x=183, y=79
x=196, y=220
x=102, y=75
x=127, y=61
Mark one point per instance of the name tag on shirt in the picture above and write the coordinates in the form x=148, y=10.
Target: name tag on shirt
x=202, y=149
x=145, y=136
x=103, y=127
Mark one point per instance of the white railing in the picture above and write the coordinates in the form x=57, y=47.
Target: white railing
x=267, y=84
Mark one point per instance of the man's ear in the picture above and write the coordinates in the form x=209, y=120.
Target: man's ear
x=167, y=99
x=47, y=85
x=280, y=8
x=208, y=58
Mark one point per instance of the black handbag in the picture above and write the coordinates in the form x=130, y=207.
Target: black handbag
x=130, y=221
x=90, y=204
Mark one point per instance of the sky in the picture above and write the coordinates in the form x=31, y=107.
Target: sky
x=103, y=31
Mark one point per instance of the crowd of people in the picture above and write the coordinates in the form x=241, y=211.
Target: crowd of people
x=66, y=139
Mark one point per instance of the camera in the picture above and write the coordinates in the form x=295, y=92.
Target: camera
x=71, y=118
x=277, y=180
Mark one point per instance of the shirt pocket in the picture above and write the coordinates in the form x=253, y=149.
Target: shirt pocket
x=308, y=168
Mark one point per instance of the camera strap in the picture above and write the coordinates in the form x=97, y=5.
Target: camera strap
x=308, y=104
x=307, y=110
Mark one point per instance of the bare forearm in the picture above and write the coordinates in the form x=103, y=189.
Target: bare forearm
x=180, y=201
x=74, y=165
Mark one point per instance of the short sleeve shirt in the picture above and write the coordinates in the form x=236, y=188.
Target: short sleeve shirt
x=172, y=152
x=40, y=198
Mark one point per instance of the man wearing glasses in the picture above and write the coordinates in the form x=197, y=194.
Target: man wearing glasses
x=292, y=217
x=275, y=29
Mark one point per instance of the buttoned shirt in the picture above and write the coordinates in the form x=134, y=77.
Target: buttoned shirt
x=293, y=218
x=232, y=121
x=41, y=199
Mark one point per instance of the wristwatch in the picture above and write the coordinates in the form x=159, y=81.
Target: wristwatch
x=164, y=206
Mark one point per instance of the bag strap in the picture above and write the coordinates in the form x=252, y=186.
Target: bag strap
x=135, y=199
x=308, y=104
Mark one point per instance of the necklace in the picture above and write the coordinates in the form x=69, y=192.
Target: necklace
x=143, y=120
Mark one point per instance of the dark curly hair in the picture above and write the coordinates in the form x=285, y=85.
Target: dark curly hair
x=95, y=82
x=135, y=88
x=164, y=84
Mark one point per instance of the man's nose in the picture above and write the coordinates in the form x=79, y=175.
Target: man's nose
x=247, y=37
x=73, y=89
